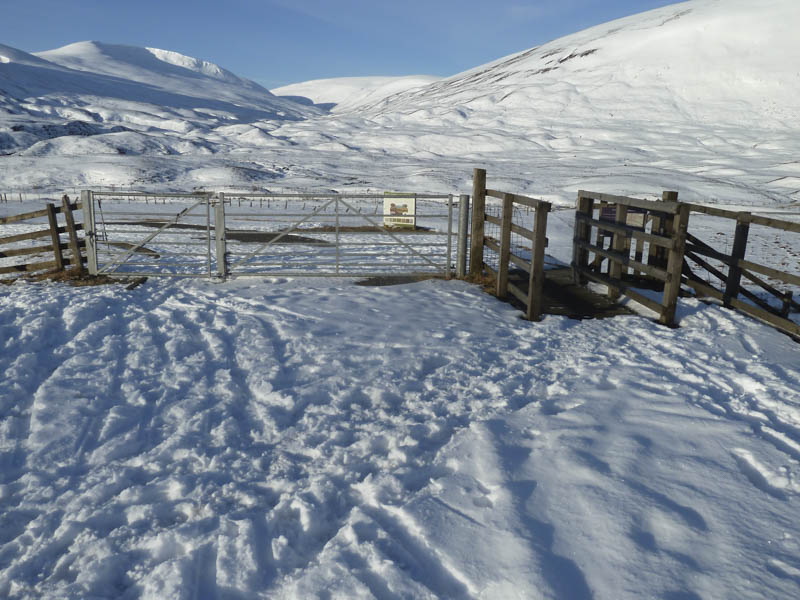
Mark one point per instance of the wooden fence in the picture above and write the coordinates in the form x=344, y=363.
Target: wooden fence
x=646, y=240
x=10, y=245
x=532, y=296
x=734, y=267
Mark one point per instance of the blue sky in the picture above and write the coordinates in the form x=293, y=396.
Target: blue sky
x=276, y=42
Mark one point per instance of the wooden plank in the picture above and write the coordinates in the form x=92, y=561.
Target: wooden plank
x=655, y=251
x=597, y=263
x=491, y=244
x=770, y=272
x=784, y=297
x=581, y=233
x=629, y=231
x=650, y=205
x=628, y=291
x=87, y=208
x=490, y=270
x=23, y=217
x=714, y=212
x=702, y=288
x=644, y=300
x=505, y=246
x=28, y=268
x=714, y=271
x=776, y=223
x=531, y=202
x=754, y=219
x=654, y=272
x=20, y=237
x=517, y=199
x=518, y=293
x=493, y=220
x=672, y=287
x=26, y=251
x=785, y=325
x=478, y=217
x=521, y=231
x=732, y=285
x=51, y=216
x=520, y=262
x=759, y=302
x=703, y=249
x=536, y=280
x=74, y=246
x=617, y=246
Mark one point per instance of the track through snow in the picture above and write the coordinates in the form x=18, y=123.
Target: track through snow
x=296, y=439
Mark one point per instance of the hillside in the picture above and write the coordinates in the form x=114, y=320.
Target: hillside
x=698, y=96
x=347, y=93
x=90, y=98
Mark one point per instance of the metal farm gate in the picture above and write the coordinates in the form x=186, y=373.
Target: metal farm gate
x=238, y=235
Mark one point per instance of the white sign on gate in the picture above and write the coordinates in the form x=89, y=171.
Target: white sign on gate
x=399, y=210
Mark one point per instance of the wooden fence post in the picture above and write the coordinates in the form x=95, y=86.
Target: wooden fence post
x=478, y=218
x=74, y=243
x=678, y=227
x=581, y=233
x=617, y=245
x=55, y=240
x=662, y=226
x=739, y=248
x=90, y=237
x=537, y=263
x=505, y=245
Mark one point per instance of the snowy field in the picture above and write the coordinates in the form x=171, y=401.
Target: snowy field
x=303, y=438
x=298, y=438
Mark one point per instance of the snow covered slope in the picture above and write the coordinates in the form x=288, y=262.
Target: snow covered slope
x=169, y=72
x=699, y=97
x=346, y=93
x=90, y=89
x=708, y=61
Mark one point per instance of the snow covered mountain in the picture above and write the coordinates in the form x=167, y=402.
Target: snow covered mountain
x=346, y=93
x=699, y=96
x=711, y=61
x=128, y=100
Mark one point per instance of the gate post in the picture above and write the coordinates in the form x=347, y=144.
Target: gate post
x=463, y=226
x=478, y=218
x=219, y=235
x=678, y=229
x=505, y=245
x=737, y=254
x=87, y=207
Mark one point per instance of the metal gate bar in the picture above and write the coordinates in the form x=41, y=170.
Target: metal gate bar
x=338, y=237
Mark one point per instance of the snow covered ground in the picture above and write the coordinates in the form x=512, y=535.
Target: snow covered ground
x=287, y=438
x=298, y=438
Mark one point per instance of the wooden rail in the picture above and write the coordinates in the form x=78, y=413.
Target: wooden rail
x=734, y=268
x=74, y=244
x=532, y=296
x=662, y=263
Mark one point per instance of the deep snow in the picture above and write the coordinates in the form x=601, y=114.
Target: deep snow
x=296, y=439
